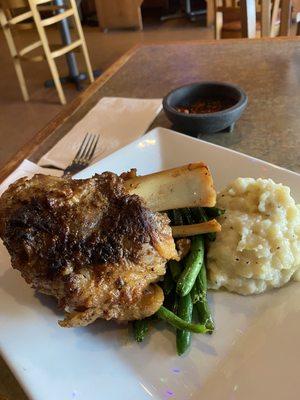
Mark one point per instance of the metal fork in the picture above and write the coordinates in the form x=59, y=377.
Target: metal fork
x=84, y=154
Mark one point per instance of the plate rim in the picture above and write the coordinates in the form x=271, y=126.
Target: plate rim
x=155, y=132
x=159, y=131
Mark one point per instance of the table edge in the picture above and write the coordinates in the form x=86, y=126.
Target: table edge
x=69, y=109
x=221, y=41
x=28, y=148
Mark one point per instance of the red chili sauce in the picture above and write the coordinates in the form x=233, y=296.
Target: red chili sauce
x=206, y=106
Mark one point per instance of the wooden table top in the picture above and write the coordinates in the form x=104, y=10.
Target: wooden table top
x=267, y=69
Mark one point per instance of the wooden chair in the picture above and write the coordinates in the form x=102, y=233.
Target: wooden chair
x=227, y=18
x=296, y=15
x=210, y=10
x=26, y=14
x=116, y=14
x=247, y=18
x=268, y=16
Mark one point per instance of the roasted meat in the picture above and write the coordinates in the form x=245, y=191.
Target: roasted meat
x=96, y=248
x=99, y=245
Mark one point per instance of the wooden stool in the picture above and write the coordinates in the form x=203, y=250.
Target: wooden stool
x=12, y=15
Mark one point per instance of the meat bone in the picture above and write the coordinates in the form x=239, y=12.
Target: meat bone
x=189, y=186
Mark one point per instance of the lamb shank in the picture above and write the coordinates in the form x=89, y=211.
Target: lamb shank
x=94, y=244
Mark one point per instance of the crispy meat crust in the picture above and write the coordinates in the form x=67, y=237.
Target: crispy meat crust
x=59, y=231
x=87, y=242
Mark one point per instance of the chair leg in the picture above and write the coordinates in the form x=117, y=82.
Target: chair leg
x=298, y=28
x=209, y=12
x=274, y=17
x=83, y=45
x=87, y=61
x=21, y=79
x=47, y=51
x=285, y=17
x=13, y=52
x=56, y=79
x=218, y=25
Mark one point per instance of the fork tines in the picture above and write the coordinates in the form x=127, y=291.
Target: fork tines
x=87, y=149
x=84, y=154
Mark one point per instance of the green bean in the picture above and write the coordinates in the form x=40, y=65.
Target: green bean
x=185, y=311
x=140, y=329
x=174, y=307
x=187, y=216
x=202, y=306
x=177, y=217
x=202, y=214
x=172, y=319
x=202, y=217
x=168, y=282
x=214, y=212
x=195, y=296
x=204, y=314
x=170, y=216
x=200, y=286
x=175, y=268
x=192, y=265
x=169, y=300
x=211, y=236
x=202, y=280
x=196, y=214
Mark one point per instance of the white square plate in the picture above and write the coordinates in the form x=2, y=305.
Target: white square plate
x=253, y=354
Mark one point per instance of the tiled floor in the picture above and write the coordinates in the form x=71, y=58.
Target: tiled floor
x=19, y=121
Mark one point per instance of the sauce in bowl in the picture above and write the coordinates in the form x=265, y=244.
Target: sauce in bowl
x=206, y=106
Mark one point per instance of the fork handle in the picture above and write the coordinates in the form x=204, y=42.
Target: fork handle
x=72, y=170
x=52, y=167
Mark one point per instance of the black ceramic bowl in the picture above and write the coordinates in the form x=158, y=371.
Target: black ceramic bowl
x=210, y=122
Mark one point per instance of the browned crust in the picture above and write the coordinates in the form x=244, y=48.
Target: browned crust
x=39, y=222
x=146, y=306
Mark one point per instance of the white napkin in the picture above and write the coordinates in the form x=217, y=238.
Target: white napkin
x=118, y=121
x=26, y=168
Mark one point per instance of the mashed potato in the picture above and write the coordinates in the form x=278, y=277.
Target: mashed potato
x=259, y=245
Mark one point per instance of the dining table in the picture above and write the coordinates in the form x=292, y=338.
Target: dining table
x=268, y=70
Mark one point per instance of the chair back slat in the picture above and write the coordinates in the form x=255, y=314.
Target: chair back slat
x=14, y=13
x=274, y=18
x=18, y=14
x=14, y=4
x=268, y=15
x=248, y=18
x=251, y=14
x=266, y=18
x=285, y=17
x=227, y=3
